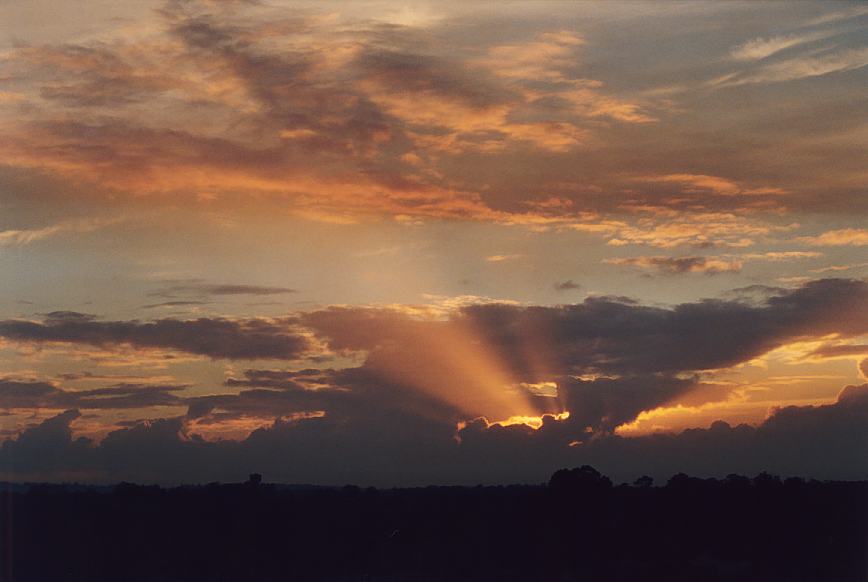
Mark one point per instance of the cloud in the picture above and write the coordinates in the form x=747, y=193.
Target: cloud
x=310, y=378
x=760, y=48
x=779, y=256
x=825, y=442
x=606, y=358
x=22, y=237
x=709, y=265
x=802, y=67
x=841, y=237
x=175, y=304
x=568, y=285
x=680, y=265
x=25, y=394
x=698, y=182
x=16, y=393
x=839, y=350
x=345, y=121
x=212, y=337
x=662, y=227
x=705, y=184
x=210, y=289
x=481, y=359
x=659, y=340
x=846, y=14
x=502, y=258
x=838, y=268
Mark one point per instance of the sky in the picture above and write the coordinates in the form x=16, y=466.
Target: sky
x=411, y=243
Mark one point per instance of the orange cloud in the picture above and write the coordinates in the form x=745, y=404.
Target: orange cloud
x=700, y=183
x=856, y=237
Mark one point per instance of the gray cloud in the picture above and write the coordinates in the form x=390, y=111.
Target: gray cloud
x=568, y=285
x=214, y=337
x=206, y=289
x=681, y=265
x=175, y=304
x=35, y=394
x=826, y=442
x=609, y=359
x=644, y=354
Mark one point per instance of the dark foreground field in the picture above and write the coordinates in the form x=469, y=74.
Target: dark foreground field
x=578, y=527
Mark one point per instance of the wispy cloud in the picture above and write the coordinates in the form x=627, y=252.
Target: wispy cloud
x=760, y=48
x=502, y=258
x=801, y=67
x=778, y=256
x=196, y=288
x=854, y=12
x=22, y=237
x=838, y=268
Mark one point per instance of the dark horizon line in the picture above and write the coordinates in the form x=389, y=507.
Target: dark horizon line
x=25, y=486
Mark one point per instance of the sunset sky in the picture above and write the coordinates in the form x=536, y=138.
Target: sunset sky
x=405, y=243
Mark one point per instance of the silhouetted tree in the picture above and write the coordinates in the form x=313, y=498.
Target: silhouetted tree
x=644, y=482
x=584, y=478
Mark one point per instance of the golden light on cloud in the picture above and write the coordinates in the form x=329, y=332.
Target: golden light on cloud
x=676, y=418
x=534, y=422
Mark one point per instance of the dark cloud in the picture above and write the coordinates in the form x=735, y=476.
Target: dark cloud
x=204, y=289
x=68, y=316
x=568, y=285
x=397, y=417
x=74, y=376
x=122, y=396
x=175, y=304
x=827, y=442
x=605, y=403
x=285, y=83
x=357, y=396
x=34, y=394
x=646, y=355
x=24, y=393
x=610, y=359
x=215, y=337
x=601, y=335
x=282, y=379
x=417, y=73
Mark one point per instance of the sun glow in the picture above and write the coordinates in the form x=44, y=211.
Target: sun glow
x=534, y=422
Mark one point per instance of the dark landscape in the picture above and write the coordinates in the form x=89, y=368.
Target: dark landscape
x=577, y=527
